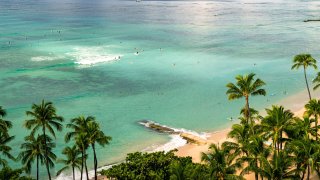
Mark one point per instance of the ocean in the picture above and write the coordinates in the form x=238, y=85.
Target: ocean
x=124, y=61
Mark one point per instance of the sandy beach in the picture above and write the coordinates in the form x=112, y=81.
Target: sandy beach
x=295, y=103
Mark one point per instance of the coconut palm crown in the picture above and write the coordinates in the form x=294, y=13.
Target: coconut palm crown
x=73, y=160
x=313, y=109
x=305, y=61
x=45, y=119
x=245, y=86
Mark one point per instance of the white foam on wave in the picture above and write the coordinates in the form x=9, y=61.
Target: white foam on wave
x=202, y=135
x=68, y=176
x=88, y=56
x=45, y=58
x=176, y=140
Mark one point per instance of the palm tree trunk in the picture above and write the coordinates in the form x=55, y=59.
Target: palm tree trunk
x=37, y=167
x=305, y=77
x=73, y=173
x=248, y=109
x=85, y=165
x=278, y=146
x=82, y=161
x=256, y=175
x=281, y=140
x=308, y=177
x=46, y=148
x=316, y=124
x=95, y=161
x=303, y=174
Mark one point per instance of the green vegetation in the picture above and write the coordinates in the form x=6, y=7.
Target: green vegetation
x=73, y=160
x=39, y=145
x=244, y=87
x=304, y=60
x=86, y=132
x=275, y=146
x=44, y=118
x=13, y=174
x=158, y=165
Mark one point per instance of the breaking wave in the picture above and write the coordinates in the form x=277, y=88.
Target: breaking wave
x=88, y=56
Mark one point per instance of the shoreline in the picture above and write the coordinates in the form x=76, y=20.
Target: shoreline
x=294, y=102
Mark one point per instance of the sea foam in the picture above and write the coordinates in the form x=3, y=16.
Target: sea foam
x=88, y=56
x=45, y=58
x=176, y=140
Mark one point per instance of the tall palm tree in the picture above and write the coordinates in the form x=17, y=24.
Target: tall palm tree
x=2, y=112
x=44, y=118
x=306, y=151
x=5, y=149
x=316, y=81
x=73, y=160
x=279, y=167
x=4, y=124
x=95, y=135
x=274, y=124
x=256, y=150
x=300, y=129
x=33, y=149
x=82, y=143
x=78, y=124
x=240, y=134
x=222, y=163
x=304, y=60
x=312, y=108
x=245, y=87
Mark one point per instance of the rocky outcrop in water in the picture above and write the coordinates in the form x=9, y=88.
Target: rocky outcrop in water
x=190, y=137
x=310, y=20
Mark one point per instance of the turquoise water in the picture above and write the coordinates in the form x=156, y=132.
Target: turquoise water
x=68, y=52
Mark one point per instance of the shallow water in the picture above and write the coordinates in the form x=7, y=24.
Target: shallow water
x=175, y=59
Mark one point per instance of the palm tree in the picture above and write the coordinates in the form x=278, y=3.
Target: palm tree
x=244, y=87
x=4, y=124
x=300, y=129
x=316, y=81
x=304, y=60
x=274, y=124
x=33, y=148
x=2, y=112
x=256, y=150
x=313, y=109
x=5, y=138
x=95, y=135
x=307, y=153
x=73, y=160
x=240, y=134
x=44, y=118
x=79, y=126
x=222, y=163
x=82, y=143
x=279, y=167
